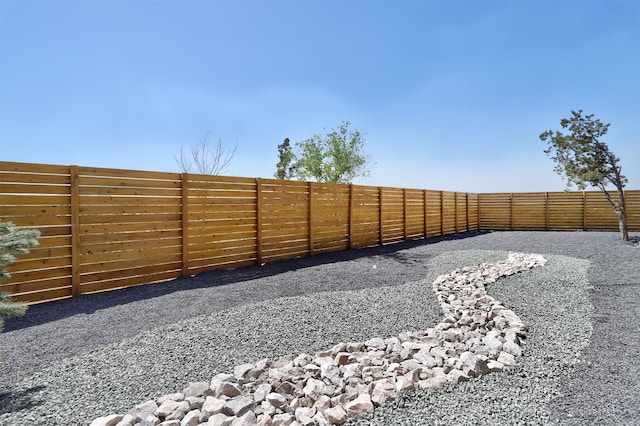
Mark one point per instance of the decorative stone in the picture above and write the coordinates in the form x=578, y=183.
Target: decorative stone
x=507, y=359
x=219, y=420
x=238, y=405
x=213, y=405
x=313, y=389
x=361, y=404
x=111, y=420
x=247, y=419
x=192, y=418
x=197, y=389
x=144, y=410
x=383, y=391
x=240, y=371
x=284, y=419
x=276, y=400
x=336, y=415
x=477, y=335
x=261, y=392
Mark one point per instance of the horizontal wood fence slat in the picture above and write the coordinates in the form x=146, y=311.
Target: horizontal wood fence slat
x=555, y=211
x=103, y=229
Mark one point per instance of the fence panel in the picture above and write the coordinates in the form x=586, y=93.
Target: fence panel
x=434, y=213
x=330, y=218
x=221, y=222
x=392, y=215
x=529, y=211
x=285, y=219
x=565, y=211
x=449, y=217
x=632, y=199
x=414, y=214
x=461, y=213
x=495, y=211
x=39, y=196
x=599, y=215
x=365, y=216
x=473, y=212
x=130, y=228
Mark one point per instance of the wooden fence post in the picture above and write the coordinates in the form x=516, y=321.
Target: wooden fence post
x=75, y=231
x=546, y=211
x=466, y=203
x=455, y=211
x=511, y=211
x=584, y=210
x=404, y=216
x=441, y=212
x=478, y=204
x=424, y=195
x=310, y=219
x=350, y=229
x=380, y=215
x=184, y=182
x=259, y=221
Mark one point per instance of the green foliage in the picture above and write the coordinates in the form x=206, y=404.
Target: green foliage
x=584, y=159
x=12, y=242
x=337, y=157
x=580, y=155
x=286, y=167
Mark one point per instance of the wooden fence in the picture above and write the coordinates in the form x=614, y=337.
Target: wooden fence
x=104, y=229
x=555, y=211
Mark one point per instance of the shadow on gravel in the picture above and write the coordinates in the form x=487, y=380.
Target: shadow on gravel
x=89, y=303
x=11, y=402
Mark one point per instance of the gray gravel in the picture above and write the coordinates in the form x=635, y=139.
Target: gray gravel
x=70, y=361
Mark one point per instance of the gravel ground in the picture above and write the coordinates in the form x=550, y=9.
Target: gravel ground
x=67, y=362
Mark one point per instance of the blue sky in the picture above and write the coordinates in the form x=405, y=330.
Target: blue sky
x=449, y=94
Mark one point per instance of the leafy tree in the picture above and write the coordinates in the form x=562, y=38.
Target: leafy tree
x=338, y=157
x=206, y=160
x=286, y=167
x=12, y=242
x=584, y=159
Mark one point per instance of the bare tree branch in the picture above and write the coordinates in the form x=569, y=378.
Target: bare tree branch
x=206, y=160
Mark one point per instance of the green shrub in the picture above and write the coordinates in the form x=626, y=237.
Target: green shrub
x=13, y=242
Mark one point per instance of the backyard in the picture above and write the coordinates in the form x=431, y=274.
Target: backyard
x=70, y=361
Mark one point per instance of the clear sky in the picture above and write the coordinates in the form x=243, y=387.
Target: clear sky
x=449, y=94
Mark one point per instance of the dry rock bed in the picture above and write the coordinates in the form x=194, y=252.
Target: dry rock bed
x=477, y=336
x=441, y=334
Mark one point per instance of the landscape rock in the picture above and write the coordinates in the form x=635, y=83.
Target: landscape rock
x=477, y=336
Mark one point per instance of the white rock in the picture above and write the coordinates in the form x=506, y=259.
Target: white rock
x=313, y=389
x=247, y=419
x=336, y=415
x=506, y=359
x=457, y=376
x=213, y=405
x=276, y=400
x=261, y=392
x=144, y=410
x=238, y=405
x=284, y=419
x=304, y=415
x=512, y=348
x=383, y=391
x=111, y=420
x=361, y=404
x=192, y=418
x=241, y=370
x=197, y=389
x=219, y=420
